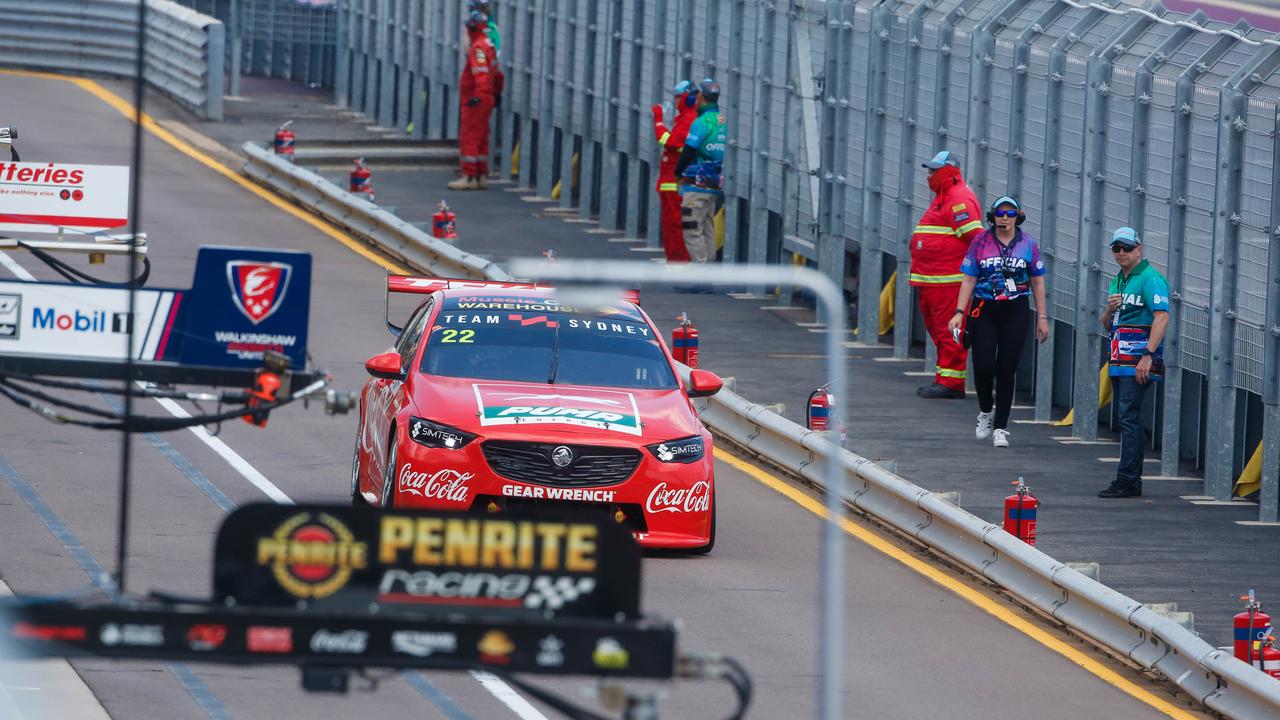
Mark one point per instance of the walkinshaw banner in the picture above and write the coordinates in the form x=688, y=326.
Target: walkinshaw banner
x=340, y=558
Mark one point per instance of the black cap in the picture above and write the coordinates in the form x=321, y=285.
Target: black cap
x=709, y=89
x=477, y=21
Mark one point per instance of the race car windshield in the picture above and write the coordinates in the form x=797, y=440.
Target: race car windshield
x=534, y=347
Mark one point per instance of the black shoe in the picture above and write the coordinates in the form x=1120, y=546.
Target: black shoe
x=1119, y=489
x=940, y=392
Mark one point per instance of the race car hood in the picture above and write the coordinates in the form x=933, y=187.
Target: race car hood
x=541, y=412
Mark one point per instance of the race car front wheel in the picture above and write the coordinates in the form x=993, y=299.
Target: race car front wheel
x=389, y=473
x=356, y=498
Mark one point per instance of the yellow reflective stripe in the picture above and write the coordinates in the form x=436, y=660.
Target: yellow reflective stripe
x=957, y=374
x=936, y=279
x=663, y=140
x=975, y=225
x=668, y=187
x=935, y=229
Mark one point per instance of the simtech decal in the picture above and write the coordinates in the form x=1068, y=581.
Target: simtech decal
x=312, y=555
x=517, y=404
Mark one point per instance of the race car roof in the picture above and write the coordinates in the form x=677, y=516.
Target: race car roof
x=520, y=297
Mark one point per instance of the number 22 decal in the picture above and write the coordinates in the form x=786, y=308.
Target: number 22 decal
x=457, y=336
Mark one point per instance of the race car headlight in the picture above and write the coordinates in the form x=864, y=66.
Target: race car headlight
x=435, y=435
x=687, y=450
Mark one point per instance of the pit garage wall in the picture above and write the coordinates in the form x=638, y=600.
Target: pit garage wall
x=1095, y=116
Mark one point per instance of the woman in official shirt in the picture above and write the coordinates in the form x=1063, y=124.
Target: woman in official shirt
x=1001, y=269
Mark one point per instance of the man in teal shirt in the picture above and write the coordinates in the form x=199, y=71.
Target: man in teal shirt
x=1136, y=316
x=701, y=174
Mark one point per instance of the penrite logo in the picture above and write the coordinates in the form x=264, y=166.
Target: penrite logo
x=258, y=288
x=312, y=557
x=495, y=648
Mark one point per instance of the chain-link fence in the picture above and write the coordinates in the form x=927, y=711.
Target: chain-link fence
x=291, y=39
x=1096, y=115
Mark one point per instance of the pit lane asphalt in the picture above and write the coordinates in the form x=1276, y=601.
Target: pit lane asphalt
x=912, y=648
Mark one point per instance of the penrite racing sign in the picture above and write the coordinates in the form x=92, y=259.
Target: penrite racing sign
x=339, y=558
x=49, y=197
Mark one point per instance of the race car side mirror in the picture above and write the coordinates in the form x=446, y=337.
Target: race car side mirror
x=385, y=366
x=704, y=383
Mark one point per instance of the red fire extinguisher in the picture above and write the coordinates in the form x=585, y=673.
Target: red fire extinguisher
x=819, y=413
x=360, y=179
x=684, y=341
x=1250, y=626
x=1020, y=513
x=285, y=140
x=1270, y=656
x=444, y=224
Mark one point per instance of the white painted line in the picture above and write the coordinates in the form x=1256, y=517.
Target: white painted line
x=1023, y=407
x=811, y=324
x=646, y=249
x=602, y=231
x=232, y=457
x=1180, y=478
x=1116, y=460
x=12, y=266
x=1257, y=523
x=538, y=199
x=581, y=221
x=783, y=307
x=750, y=296
x=1225, y=503
x=1035, y=422
x=1194, y=497
x=623, y=239
x=509, y=697
x=561, y=210
x=889, y=359
x=918, y=373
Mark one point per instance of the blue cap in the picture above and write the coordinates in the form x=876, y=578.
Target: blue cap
x=681, y=87
x=942, y=159
x=1127, y=236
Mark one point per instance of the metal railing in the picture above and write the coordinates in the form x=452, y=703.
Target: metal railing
x=1095, y=114
x=1108, y=618
x=184, y=52
x=291, y=39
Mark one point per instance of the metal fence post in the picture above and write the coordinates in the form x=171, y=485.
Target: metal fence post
x=1220, y=442
x=215, y=56
x=1269, y=497
x=234, y=23
x=1088, y=341
x=758, y=237
x=870, y=243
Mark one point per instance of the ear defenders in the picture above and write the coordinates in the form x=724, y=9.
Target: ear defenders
x=1005, y=200
x=690, y=99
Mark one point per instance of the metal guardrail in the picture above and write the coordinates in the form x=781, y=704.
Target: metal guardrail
x=184, y=56
x=386, y=231
x=1106, y=617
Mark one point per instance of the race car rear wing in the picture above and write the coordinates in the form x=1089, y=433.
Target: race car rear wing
x=412, y=285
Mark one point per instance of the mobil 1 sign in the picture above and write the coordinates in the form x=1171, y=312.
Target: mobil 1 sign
x=47, y=197
x=52, y=319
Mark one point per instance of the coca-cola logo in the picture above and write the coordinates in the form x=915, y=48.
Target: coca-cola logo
x=443, y=484
x=350, y=642
x=693, y=499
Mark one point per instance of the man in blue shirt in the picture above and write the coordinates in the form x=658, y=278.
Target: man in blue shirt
x=701, y=174
x=1136, y=317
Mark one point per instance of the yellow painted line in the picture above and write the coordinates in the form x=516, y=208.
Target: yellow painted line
x=125, y=108
x=991, y=607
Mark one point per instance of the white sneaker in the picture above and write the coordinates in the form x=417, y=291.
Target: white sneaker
x=985, y=419
x=1000, y=438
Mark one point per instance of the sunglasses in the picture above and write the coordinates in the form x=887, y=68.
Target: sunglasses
x=1122, y=248
x=1006, y=213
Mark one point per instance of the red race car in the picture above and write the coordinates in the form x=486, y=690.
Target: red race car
x=497, y=396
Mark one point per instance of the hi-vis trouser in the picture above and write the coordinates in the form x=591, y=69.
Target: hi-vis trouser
x=938, y=306
x=699, y=212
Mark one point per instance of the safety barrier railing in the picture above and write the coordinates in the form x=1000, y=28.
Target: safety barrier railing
x=1106, y=617
x=384, y=229
x=184, y=55
x=1117, y=622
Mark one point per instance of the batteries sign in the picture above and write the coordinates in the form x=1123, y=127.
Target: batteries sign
x=52, y=197
x=345, y=558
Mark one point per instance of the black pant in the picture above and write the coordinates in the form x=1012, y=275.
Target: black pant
x=999, y=334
